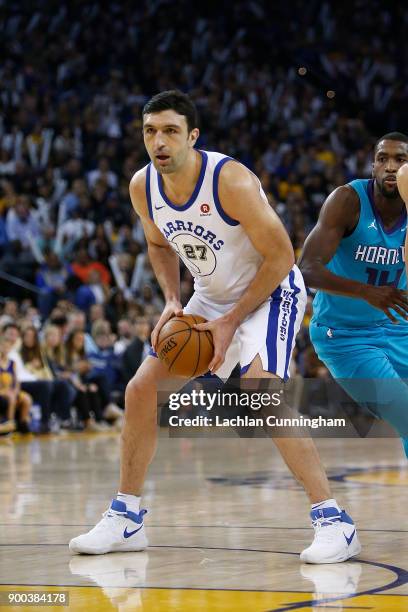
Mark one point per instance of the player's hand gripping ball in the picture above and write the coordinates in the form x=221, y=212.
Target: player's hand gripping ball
x=184, y=350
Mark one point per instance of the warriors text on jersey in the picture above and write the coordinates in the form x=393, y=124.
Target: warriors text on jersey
x=213, y=246
x=371, y=254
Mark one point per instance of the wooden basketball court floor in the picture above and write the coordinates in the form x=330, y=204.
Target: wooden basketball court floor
x=226, y=523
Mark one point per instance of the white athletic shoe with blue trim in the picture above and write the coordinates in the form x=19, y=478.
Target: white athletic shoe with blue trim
x=335, y=537
x=119, y=530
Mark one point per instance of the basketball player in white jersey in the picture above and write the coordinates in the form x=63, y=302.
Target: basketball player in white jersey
x=211, y=212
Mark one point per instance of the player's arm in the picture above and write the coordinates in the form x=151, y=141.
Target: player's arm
x=164, y=260
x=339, y=215
x=402, y=182
x=241, y=199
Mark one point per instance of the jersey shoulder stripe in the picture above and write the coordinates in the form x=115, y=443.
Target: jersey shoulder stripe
x=148, y=191
x=216, y=197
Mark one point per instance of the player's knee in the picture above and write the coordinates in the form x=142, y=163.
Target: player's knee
x=136, y=391
x=133, y=391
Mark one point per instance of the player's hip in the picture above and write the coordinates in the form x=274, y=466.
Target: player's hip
x=291, y=292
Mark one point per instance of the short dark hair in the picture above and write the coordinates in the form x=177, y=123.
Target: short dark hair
x=398, y=136
x=176, y=100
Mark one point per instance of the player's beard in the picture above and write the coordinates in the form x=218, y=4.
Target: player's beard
x=390, y=194
x=169, y=169
x=177, y=161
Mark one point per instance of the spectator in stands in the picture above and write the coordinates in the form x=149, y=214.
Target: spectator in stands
x=96, y=313
x=103, y=173
x=54, y=395
x=54, y=350
x=124, y=336
x=10, y=308
x=77, y=322
x=89, y=401
x=22, y=225
x=149, y=298
x=9, y=312
x=18, y=403
x=83, y=265
x=99, y=246
x=115, y=213
x=93, y=291
x=20, y=264
x=52, y=347
x=72, y=230
x=52, y=280
x=70, y=201
x=105, y=367
x=11, y=332
x=117, y=307
x=30, y=316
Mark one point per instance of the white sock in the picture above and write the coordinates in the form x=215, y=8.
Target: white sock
x=132, y=501
x=327, y=503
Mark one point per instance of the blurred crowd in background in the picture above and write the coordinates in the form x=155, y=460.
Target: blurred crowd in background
x=297, y=92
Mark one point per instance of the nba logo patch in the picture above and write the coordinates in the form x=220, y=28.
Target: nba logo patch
x=205, y=210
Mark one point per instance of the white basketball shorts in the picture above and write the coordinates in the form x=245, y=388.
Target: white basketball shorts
x=269, y=331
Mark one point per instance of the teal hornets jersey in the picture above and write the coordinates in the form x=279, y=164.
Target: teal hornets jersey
x=371, y=254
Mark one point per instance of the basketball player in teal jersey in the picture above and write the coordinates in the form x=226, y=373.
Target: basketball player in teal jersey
x=355, y=257
x=210, y=211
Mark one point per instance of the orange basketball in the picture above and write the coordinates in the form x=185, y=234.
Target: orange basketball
x=184, y=350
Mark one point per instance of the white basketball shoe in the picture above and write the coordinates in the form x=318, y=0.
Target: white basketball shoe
x=119, y=531
x=335, y=538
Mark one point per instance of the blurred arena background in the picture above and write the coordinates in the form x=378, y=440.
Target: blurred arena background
x=297, y=92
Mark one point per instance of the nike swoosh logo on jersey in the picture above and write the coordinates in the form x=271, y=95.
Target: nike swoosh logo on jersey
x=159, y=207
x=349, y=540
x=127, y=534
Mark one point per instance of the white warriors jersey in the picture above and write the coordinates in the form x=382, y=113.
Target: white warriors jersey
x=213, y=246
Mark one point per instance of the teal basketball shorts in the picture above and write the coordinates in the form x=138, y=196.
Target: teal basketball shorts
x=371, y=364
